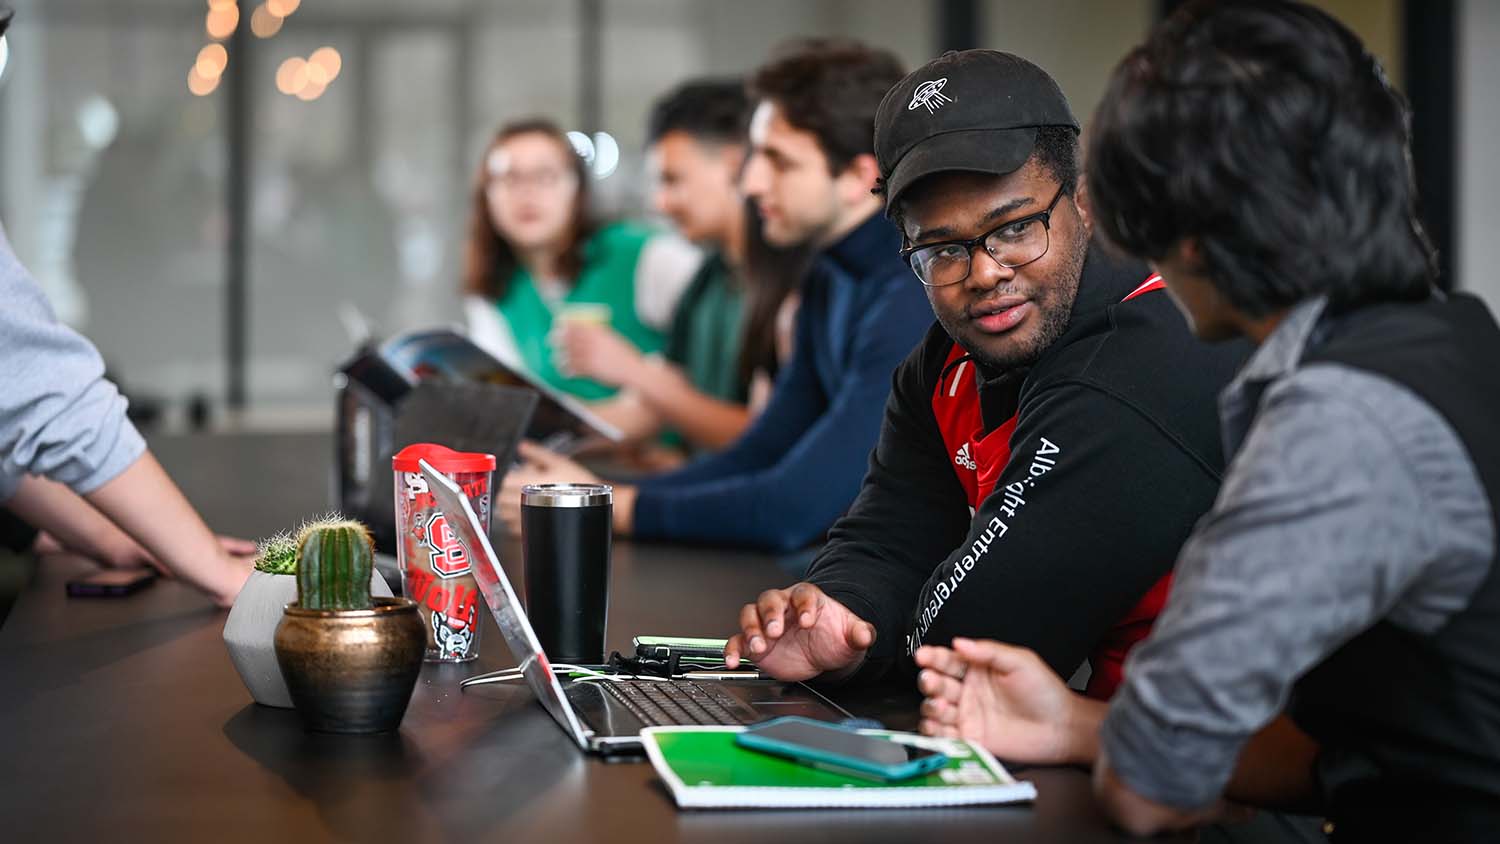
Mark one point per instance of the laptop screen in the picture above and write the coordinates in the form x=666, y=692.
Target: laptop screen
x=501, y=598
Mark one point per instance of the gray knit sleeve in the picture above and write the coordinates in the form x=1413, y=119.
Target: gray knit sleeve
x=59, y=416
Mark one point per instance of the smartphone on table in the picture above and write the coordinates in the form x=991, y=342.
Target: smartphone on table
x=823, y=745
x=111, y=583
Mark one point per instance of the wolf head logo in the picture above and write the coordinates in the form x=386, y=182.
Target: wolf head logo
x=451, y=642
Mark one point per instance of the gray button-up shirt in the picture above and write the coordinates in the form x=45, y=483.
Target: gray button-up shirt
x=1349, y=500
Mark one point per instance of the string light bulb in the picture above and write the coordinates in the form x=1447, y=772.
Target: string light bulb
x=264, y=23
x=221, y=21
x=199, y=85
x=329, y=59
x=291, y=77
x=212, y=60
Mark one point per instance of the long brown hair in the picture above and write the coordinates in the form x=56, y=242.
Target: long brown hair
x=770, y=273
x=489, y=260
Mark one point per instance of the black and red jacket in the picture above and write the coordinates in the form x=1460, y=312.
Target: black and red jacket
x=1085, y=473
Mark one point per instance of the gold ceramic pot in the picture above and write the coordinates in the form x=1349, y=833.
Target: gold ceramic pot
x=351, y=671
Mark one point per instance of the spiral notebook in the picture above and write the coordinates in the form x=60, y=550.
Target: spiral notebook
x=704, y=768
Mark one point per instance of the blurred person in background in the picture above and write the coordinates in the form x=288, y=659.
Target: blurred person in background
x=719, y=345
x=810, y=172
x=537, y=258
x=73, y=466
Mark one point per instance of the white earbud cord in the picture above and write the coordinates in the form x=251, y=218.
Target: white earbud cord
x=577, y=674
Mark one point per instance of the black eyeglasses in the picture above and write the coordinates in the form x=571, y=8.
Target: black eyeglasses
x=1014, y=243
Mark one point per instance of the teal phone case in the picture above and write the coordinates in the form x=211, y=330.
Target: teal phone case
x=820, y=758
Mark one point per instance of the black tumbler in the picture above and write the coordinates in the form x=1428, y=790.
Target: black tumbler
x=565, y=536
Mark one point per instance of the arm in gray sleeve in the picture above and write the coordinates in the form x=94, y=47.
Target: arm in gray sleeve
x=1351, y=501
x=59, y=416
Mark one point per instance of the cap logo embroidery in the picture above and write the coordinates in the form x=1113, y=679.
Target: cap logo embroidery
x=930, y=96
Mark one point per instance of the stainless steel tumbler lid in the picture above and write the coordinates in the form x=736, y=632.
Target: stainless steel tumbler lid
x=566, y=495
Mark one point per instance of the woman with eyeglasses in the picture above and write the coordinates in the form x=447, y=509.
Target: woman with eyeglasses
x=537, y=258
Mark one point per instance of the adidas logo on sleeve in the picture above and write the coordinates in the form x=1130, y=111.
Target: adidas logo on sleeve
x=962, y=458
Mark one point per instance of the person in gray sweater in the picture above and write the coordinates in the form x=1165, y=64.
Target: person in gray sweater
x=73, y=466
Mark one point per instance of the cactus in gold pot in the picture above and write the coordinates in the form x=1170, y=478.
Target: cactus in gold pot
x=334, y=561
x=350, y=661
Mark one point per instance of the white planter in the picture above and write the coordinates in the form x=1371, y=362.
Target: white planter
x=250, y=632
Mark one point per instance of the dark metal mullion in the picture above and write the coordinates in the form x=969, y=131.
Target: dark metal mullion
x=1430, y=44
x=958, y=23
x=237, y=106
x=590, y=65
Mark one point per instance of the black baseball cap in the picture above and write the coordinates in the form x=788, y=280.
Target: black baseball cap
x=974, y=110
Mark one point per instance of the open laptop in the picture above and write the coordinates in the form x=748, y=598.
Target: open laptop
x=606, y=716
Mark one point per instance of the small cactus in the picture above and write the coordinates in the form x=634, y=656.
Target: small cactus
x=335, y=560
x=277, y=555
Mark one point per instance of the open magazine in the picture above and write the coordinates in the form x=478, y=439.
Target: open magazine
x=443, y=353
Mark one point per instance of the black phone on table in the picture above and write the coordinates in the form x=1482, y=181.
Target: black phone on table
x=111, y=583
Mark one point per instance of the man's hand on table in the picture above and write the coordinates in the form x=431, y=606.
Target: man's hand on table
x=799, y=633
x=1009, y=701
x=540, y=465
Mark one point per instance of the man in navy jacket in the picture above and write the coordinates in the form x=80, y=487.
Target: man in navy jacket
x=811, y=170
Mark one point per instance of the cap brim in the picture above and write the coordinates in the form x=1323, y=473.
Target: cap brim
x=992, y=151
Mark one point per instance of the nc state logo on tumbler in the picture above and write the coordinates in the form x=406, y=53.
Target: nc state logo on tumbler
x=448, y=556
x=436, y=566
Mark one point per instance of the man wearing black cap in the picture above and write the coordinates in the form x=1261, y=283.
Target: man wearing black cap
x=1044, y=451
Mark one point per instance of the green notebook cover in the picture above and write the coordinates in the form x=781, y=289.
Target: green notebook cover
x=705, y=769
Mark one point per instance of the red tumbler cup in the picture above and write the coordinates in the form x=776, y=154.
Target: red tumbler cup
x=436, y=571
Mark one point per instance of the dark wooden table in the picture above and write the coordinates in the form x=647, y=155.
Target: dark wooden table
x=123, y=720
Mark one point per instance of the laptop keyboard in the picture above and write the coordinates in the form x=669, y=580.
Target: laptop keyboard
x=678, y=703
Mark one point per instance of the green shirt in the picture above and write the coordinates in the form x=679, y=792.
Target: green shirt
x=607, y=278
x=706, y=332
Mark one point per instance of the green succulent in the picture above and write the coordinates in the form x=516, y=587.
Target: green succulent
x=335, y=560
x=277, y=555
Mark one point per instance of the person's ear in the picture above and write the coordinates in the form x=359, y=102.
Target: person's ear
x=1084, y=205
x=858, y=179
x=1189, y=251
x=732, y=157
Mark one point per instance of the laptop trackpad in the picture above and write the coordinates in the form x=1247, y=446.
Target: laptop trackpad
x=774, y=700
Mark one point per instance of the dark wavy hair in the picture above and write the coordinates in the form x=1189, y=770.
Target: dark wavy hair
x=832, y=88
x=489, y=261
x=711, y=110
x=717, y=111
x=1267, y=133
x=771, y=274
